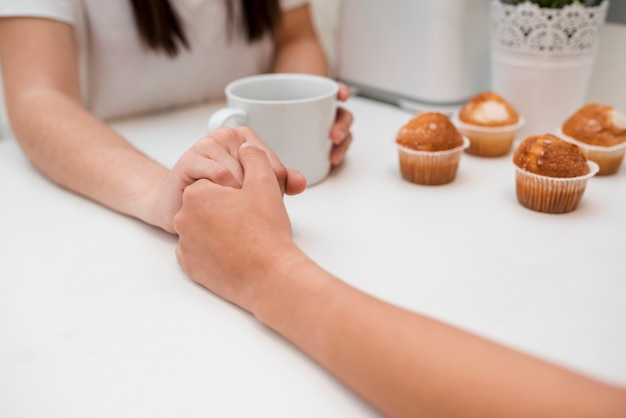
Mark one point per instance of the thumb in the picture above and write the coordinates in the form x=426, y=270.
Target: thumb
x=257, y=170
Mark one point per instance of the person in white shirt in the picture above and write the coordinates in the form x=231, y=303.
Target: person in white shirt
x=71, y=66
x=240, y=246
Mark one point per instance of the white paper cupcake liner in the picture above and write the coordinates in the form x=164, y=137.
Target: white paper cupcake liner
x=488, y=141
x=430, y=167
x=551, y=194
x=608, y=158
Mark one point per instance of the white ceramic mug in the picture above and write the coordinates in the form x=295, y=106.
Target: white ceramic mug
x=292, y=113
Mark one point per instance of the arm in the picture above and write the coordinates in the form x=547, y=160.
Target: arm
x=403, y=363
x=83, y=154
x=60, y=137
x=298, y=50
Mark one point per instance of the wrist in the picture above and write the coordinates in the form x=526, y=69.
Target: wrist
x=150, y=201
x=297, y=291
x=280, y=271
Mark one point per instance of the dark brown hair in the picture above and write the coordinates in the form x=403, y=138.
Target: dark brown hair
x=161, y=29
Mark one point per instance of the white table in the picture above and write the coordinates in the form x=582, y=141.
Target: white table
x=97, y=319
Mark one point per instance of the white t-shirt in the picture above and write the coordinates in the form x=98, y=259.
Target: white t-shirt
x=120, y=77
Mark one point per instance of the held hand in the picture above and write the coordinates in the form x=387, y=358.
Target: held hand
x=230, y=238
x=215, y=158
x=340, y=132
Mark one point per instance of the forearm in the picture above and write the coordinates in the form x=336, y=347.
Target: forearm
x=81, y=153
x=238, y=243
x=298, y=49
x=409, y=365
x=302, y=56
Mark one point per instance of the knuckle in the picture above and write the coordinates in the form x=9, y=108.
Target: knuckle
x=207, y=140
x=223, y=131
x=186, y=155
x=280, y=171
x=248, y=134
x=245, y=130
x=221, y=175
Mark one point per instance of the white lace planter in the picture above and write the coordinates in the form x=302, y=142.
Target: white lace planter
x=542, y=59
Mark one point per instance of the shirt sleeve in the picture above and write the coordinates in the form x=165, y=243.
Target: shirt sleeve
x=289, y=4
x=62, y=10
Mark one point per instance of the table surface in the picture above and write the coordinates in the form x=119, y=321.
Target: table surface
x=98, y=320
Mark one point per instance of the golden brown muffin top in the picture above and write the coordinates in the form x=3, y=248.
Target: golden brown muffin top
x=596, y=124
x=488, y=109
x=548, y=155
x=429, y=131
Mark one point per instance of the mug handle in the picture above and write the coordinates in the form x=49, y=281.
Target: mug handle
x=227, y=115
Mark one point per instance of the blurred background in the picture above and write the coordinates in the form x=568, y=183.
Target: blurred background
x=326, y=15
x=609, y=61
x=607, y=88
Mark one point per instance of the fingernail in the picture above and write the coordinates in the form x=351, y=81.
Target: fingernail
x=246, y=145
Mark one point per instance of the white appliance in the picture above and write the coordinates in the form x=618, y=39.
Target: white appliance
x=418, y=54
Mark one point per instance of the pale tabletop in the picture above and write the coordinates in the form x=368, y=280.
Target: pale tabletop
x=98, y=320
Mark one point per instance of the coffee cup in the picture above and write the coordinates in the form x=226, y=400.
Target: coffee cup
x=292, y=113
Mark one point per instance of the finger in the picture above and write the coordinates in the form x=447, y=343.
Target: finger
x=280, y=171
x=344, y=92
x=249, y=136
x=296, y=182
x=339, y=151
x=341, y=128
x=194, y=194
x=221, y=145
x=223, y=170
x=258, y=171
x=227, y=138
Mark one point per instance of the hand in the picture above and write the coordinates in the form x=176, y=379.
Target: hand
x=231, y=238
x=215, y=158
x=340, y=132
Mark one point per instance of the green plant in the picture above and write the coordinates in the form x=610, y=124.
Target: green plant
x=555, y=4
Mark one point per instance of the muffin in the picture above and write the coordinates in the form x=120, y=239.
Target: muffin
x=551, y=173
x=429, y=149
x=600, y=131
x=490, y=123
